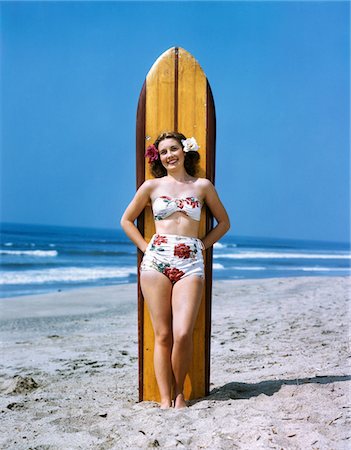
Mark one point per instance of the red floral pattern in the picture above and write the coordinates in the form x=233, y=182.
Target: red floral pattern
x=192, y=202
x=159, y=240
x=173, y=274
x=180, y=203
x=182, y=251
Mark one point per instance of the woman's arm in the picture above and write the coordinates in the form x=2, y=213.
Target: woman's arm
x=218, y=211
x=133, y=210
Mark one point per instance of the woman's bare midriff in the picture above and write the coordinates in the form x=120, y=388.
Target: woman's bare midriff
x=178, y=223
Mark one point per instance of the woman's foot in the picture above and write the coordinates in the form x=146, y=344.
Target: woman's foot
x=179, y=401
x=166, y=404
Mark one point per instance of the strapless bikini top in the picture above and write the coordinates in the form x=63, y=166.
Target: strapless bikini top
x=164, y=206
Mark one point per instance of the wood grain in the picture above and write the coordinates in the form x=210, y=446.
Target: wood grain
x=176, y=96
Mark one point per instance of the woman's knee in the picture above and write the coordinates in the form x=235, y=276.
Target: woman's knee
x=182, y=337
x=163, y=337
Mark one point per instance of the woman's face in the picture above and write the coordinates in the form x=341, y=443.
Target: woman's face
x=171, y=153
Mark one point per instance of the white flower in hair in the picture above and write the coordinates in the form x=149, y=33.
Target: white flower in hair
x=190, y=145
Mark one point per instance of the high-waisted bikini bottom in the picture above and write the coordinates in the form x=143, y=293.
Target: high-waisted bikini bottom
x=175, y=256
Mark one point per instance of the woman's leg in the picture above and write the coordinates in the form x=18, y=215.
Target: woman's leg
x=157, y=290
x=186, y=299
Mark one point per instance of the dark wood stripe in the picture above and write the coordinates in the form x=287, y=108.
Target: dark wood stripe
x=210, y=173
x=140, y=178
x=140, y=137
x=176, y=71
x=211, y=136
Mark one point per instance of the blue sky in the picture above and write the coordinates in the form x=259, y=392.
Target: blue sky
x=71, y=77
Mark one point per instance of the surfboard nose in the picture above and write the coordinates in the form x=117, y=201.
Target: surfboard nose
x=179, y=52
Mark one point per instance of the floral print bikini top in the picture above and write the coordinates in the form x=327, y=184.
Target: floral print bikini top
x=164, y=206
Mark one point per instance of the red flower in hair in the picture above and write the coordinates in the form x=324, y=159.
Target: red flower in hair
x=151, y=153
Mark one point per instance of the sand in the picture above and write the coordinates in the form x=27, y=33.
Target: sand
x=280, y=371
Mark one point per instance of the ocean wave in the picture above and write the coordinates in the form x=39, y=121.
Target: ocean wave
x=264, y=255
x=40, y=253
x=66, y=274
x=219, y=245
x=90, y=252
x=291, y=268
x=218, y=266
x=322, y=269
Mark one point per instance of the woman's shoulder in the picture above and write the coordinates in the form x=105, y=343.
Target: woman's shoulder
x=204, y=183
x=204, y=187
x=150, y=185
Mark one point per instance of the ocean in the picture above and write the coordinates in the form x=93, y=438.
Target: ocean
x=40, y=259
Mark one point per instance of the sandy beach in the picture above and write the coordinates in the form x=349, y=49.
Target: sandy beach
x=280, y=371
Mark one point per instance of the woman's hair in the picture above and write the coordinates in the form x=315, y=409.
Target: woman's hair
x=191, y=159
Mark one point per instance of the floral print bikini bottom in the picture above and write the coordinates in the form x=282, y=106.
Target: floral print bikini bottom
x=174, y=256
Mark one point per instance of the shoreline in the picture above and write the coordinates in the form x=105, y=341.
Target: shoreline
x=87, y=289
x=338, y=273
x=280, y=376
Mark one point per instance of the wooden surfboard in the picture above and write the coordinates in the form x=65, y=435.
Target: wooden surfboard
x=176, y=96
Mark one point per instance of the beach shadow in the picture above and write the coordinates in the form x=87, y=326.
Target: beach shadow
x=238, y=391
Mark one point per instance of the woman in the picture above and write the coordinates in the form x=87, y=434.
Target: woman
x=172, y=269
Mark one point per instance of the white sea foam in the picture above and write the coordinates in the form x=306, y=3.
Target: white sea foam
x=296, y=268
x=8, y=244
x=264, y=255
x=39, y=253
x=323, y=269
x=219, y=245
x=218, y=266
x=65, y=274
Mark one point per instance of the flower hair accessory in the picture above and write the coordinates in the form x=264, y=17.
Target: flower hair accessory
x=190, y=145
x=151, y=153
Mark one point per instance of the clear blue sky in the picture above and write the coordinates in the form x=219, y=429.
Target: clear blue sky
x=71, y=77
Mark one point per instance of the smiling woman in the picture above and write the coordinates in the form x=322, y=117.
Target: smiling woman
x=172, y=269
x=173, y=140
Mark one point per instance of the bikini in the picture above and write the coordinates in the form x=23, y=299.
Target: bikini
x=165, y=206
x=175, y=256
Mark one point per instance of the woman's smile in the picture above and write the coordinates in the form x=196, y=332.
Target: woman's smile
x=171, y=153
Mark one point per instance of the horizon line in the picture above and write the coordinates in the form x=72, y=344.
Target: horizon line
x=118, y=228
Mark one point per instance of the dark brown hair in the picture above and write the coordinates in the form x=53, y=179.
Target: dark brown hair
x=191, y=159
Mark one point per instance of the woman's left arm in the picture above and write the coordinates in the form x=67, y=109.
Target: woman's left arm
x=218, y=211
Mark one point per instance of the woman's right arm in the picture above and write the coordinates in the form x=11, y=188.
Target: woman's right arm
x=133, y=210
